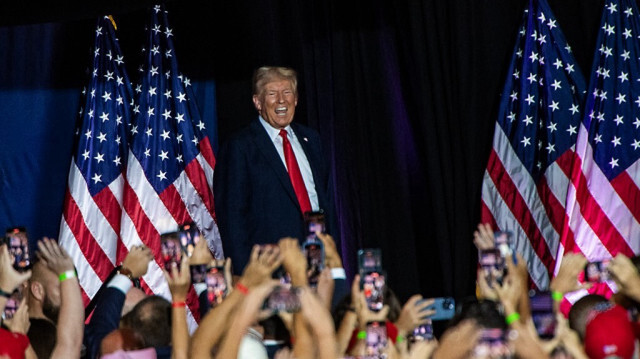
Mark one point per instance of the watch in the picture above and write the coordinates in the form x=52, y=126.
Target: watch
x=126, y=272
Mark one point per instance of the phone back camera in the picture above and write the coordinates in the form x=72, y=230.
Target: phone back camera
x=447, y=304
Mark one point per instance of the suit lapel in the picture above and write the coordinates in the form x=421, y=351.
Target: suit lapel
x=268, y=150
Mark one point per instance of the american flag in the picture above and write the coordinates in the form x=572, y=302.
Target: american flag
x=525, y=185
x=90, y=228
x=170, y=166
x=603, y=202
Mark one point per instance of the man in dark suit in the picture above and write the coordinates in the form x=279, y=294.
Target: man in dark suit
x=270, y=173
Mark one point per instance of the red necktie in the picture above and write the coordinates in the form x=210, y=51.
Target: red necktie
x=294, y=174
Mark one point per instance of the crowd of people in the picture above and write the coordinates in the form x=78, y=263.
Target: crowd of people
x=330, y=319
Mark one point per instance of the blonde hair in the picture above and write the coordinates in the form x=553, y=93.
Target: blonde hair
x=266, y=74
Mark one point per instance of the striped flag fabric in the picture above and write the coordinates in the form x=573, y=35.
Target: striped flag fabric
x=90, y=226
x=603, y=201
x=525, y=184
x=170, y=166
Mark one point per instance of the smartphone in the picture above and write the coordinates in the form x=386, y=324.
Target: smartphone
x=18, y=246
x=13, y=303
x=492, y=265
x=503, y=241
x=445, y=308
x=542, y=314
x=313, y=250
x=372, y=285
x=596, y=272
x=314, y=222
x=283, y=299
x=189, y=237
x=422, y=333
x=171, y=250
x=217, y=288
x=492, y=344
x=369, y=260
x=376, y=339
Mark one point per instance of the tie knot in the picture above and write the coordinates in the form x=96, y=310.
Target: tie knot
x=283, y=133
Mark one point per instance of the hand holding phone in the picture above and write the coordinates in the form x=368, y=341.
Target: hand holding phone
x=544, y=319
x=314, y=252
x=596, y=272
x=18, y=245
x=444, y=307
x=171, y=250
x=13, y=303
x=189, y=236
x=492, y=265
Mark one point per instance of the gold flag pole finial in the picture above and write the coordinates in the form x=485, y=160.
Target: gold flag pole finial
x=113, y=22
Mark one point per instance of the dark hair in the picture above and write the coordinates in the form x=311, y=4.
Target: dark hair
x=580, y=311
x=42, y=335
x=484, y=312
x=151, y=318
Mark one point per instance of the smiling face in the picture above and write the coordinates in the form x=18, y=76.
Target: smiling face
x=277, y=102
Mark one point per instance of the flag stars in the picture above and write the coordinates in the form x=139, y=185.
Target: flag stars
x=96, y=178
x=531, y=78
x=104, y=117
x=623, y=76
x=542, y=40
x=153, y=71
x=164, y=155
x=136, y=109
x=118, y=140
x=109, y=75
x=572, y=130
x=609, y=29
x=607, y=52
x=134, y=130
x=556, y=85
x=98, y=31
x=519, y=53
x=528, y=120
x=90, y=113
x=179, y=138
x=179, y=158
x=569, y=68
x=600, y=116
x=201, y=125
x=152, y=91
x=156, y=29
x=635, y=144
x=195, y=140
x=147, y=152
x=628, y=12
x=181, y=97
x=552, y=127
x=150, y=111
x=557, y=64
x=139, y=88
x=180, y=117
x=106, y=96
x=612, y=8
x=613, y=162
x=165, y=135
x=119, y=100
x=533, y=57
x=168, y=32
x=187, y=82
x=514, y=96
x=598, y=138
x=574, y=109
x=616, y=141
x=167, y=53
x=96, y=52
x=638, y=101
x=618, y=120
x=99, y=157
x=162, y=175
x=167, y=114
x=117, y=161
x=88, y=134
x=554, y=106
x=636, y=123
x=526, y=141
x=167, y=74
x=568, y=48
x=550, y=148
x=625, y=55
x=551, y=24
x=86, y=155
x=119, y=60
x=155, y=50
x=511, y=117
x=516, y=74
x=530, y=99
x=167, y=94
x=102, y=137
x=621, y=98
x=149, y=131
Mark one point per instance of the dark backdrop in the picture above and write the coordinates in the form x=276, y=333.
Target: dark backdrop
x=403, y=92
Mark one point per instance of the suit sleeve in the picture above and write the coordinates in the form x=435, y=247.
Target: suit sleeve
x=231, y=195
x=105, y=319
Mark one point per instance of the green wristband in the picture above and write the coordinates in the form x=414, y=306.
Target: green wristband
x=400, y=339
x=515, y=316
x=67, y=275
x=362, y=334
x=557, y=296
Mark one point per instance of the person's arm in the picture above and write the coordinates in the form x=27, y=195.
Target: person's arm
x=215, y=324
x=319, y=320
x=458, y=342
x=567, y=278
x=243, y=318
x=71, y=320
x=333, y=261
x=295, y=264
x=179, y=284
x=413, y=314
x=626, y=276
x=350, y=320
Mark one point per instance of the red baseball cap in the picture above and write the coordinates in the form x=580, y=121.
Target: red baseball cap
x=609, y=333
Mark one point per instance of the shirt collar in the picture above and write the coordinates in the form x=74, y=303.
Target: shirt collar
x=273, y=132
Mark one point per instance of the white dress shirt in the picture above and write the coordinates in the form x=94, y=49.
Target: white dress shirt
x=303, y=163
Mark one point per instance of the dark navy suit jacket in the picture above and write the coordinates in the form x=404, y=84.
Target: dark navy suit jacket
x=254, y=200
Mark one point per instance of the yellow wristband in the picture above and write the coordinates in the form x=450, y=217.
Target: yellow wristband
x=513, y=317
x=67, y=275
x=557, y=296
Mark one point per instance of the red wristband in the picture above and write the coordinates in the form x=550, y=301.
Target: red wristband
x=178, y=304
x=244, y=290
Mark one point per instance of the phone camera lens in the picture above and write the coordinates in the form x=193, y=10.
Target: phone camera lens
x=447, y=304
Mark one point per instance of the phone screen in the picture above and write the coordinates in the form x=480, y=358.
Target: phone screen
x=542, y=314
x=376, y=339
x=369, y=260
x=216, y=285
x=492, y=265
x=372, y=284
x=492, y=344
x=596, y=272
x=189, y=237
x=503, y=242
x=13, y=303
x=283, y=299
x=171, y=249
x=422, y=333
x=315, y=223
x=18, y=245
x=314, y=251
